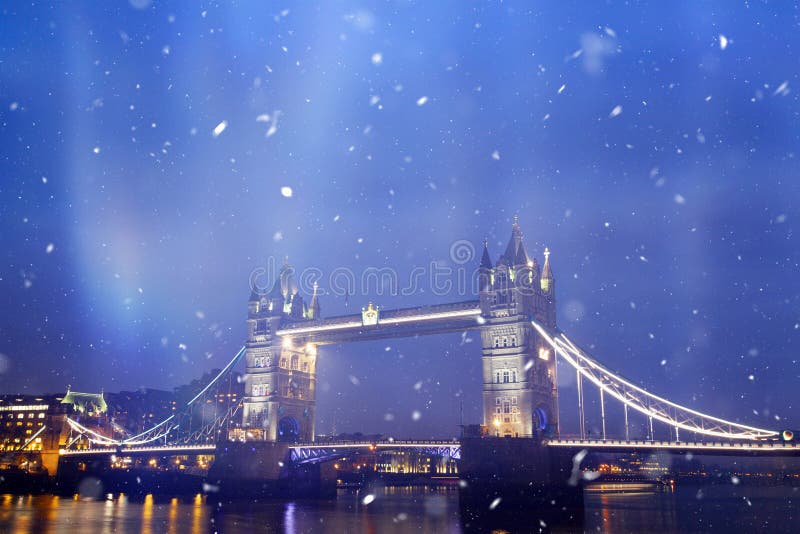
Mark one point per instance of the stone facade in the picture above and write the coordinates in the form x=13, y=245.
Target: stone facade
x=279, y=400
x=520, y=395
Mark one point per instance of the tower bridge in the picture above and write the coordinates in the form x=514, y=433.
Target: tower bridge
x=515, y=313
x=520, y=396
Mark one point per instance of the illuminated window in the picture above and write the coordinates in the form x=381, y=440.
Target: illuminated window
x=41, y=416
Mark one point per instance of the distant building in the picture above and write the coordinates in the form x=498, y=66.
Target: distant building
x=23, y=418
x=34, y=427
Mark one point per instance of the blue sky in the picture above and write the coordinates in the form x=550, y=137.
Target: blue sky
x=658, y=165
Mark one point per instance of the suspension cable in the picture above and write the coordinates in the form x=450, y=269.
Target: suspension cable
x=643, y=401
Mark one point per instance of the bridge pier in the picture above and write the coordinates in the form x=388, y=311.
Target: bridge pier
x=507, y=479
x=93, y=477
x=262, y=469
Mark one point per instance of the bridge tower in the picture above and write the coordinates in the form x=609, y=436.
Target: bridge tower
x=520, y=395
x=280, y=394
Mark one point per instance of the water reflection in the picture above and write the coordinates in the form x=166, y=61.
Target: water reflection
x=418, y=509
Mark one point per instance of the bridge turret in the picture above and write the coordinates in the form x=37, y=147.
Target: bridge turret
x=298, y=308
x=547, y=280
x=313, y=308
x=535, y=273
x=253, y=303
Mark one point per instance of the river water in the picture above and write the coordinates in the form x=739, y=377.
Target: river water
x=407, y=509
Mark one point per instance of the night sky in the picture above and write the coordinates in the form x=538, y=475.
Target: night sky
x=653, y=148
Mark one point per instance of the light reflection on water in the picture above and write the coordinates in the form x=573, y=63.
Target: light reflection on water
x=405, y=509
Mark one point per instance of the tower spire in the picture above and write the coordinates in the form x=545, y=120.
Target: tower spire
x=547, y=272
x=486, y=261
x=313, y=308
x=511, y=254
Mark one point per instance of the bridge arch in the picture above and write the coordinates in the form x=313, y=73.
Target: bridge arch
x=288, y=430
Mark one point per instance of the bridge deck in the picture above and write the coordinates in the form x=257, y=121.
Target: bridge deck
x=206, y=448
x=609, y=445
x=384, y=444
x=744, y=447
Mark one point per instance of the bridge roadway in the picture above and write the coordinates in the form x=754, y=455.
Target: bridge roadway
x=740, y=448
x=204, y=448
x=320, y=451
x=299, y=451
x=317, y=451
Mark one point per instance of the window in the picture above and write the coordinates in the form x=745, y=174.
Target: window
x=514, y=376
x=513, y=341
x=261, y=328
x=295, y=362
x=496, y=342
x=497, y=379
x=505, y=376
x=497, y=401
x=505, y=342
